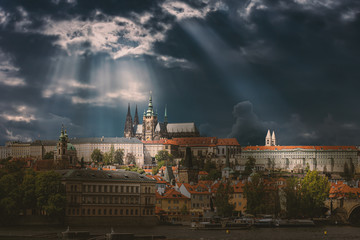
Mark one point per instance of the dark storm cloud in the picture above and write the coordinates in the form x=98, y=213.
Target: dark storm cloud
x=236, y=68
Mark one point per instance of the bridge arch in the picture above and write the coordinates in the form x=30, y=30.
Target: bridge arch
x=354, y=214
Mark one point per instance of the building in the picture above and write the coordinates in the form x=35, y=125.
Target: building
x=188, y=173
x=329, y=159
x=85, y=147
x=5, y=152
x=151, y=129
x=200, y=196
x=238, y=197
x=108, y=197
x=175, y=206
x=65, y=152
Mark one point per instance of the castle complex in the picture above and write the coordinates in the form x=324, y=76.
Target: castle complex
x=151, y=129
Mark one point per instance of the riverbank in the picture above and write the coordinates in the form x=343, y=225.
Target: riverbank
x=183, y=232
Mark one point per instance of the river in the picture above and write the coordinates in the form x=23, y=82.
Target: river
x=182, y=232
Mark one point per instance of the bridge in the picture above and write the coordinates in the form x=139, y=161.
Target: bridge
x=349, y=208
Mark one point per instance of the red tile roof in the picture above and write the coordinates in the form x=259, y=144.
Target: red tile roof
x=274, y=148
x=341, y=189
x=227, y=142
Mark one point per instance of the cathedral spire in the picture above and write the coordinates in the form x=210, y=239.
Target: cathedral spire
x=165, y=116
x=136, y=117
x=128, y=129
x=150, y=110
x=128, y=113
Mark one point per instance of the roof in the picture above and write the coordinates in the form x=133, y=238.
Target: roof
x=88, y=174
x=340, y=189
x=181, y=127
x=171, y=193
x=200, y=188
x=318, y=148
x=227, y=142
x=105, y=140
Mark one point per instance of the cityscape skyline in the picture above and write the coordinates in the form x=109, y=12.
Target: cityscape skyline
x=234, y=68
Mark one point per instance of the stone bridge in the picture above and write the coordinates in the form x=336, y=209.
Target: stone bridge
x=349, y=205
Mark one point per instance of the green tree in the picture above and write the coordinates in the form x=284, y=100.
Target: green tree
x=119, y=156
x=249, y=166
x=49, y=155
x=254, y=192
x=27, y=189
x=50, y=194
x=314, y=191
x=109, y=156
x=130, y=158
x=293, y=197
x=96, y=156
x=222, y=200
x=10, y=197
x=213, y=175
x=156, y=169
x=165, y=156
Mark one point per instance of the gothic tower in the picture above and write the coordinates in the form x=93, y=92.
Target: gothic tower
x=188, y=173
x=165, y=116
x=273, y=139
x=149, y=122
x=268, y=138
x=136, y=117
x=128, y=129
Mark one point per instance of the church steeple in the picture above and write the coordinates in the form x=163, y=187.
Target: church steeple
x=273, y=139
x=128, y=129
x=150, y=110
x=136, y=117
x=165, y=116
x=268, y=138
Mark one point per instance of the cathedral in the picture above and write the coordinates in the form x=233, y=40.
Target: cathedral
x=151, y=129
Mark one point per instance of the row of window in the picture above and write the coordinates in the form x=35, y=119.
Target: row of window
x=108, y=212
x=109, y=189
x=197, y=205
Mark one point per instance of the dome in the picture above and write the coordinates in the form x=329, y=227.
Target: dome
x=70, y=147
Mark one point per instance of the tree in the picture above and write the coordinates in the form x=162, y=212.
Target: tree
x=164, y=155
x=156, y=169
x=254, y=192
x=27, y=189
x=49, y=155
x=249, y=166
x=292, y=196
x=314, y=191
x=50, y=193
x=222, y=200
x=130, y=158
x=119, y=156
x=213, y=175
x=96, y=156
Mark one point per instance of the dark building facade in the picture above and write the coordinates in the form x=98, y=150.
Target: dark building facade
x=108, y=197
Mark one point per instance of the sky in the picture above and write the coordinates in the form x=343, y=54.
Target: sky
x=235, y=68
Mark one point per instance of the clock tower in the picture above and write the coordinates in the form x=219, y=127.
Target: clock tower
x=150, y=121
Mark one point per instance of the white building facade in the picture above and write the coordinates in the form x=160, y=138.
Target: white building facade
x=297, y=158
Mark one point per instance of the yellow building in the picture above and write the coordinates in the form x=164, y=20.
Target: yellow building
x=172, y=205
x=238, y=198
